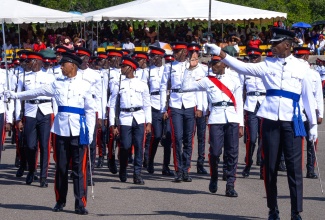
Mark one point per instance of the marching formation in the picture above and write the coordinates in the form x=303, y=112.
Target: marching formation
x=122, y=105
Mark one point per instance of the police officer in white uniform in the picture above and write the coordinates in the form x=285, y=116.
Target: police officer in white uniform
x=255, y=95
x=131, y=108
x=37, y=124
x=285, y=80
x=303, y=54
x=225, y=120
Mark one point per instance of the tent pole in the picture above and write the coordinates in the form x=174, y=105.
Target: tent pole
x=92, y=37
x=19, y=46
x=97, y=34
x=222, y=31
x=209, y=22
x=5, y=58
x=158, y=32
x=85, y=35
x=80, y=29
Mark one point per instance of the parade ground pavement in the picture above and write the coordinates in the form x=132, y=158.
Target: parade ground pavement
x=160, y=197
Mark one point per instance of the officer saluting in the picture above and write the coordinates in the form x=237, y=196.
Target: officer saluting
x=76, y=116
x=131, y=97
x=285, y=80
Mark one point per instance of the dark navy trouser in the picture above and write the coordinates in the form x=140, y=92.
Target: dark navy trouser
x=310, y=165
x=129, y=135
x=182, y=124
x=201, y=130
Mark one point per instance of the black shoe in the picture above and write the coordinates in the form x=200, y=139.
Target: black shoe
x=282, y=166
x=213, y=186
x=58, y=207
x=17, y=162
x=200, y=169
x=246, y=172
x=112, y=166
x=224, y=175
x=186, y=177
x=137, y=179
x=178, y=177
x=20, y=172
x=261, y=176
x=150, y=168
x=123, y=176
x=145, y=163
x=43, y=183
x=81, y=211
x=295, y=216
x=231, y=192
x=100, y=162
x=167, y=172
x=274, y=214
x=30, y=178
x=311, y=175
x=258, y=162
x=89, y=182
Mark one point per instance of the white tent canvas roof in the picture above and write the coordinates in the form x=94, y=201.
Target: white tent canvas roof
x=171, y=10
x=17, y=12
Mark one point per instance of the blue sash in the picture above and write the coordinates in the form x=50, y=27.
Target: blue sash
x=84, y=132
x=298, y=124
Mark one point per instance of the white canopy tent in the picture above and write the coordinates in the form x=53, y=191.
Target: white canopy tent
x=173, y=10
x=17, y=12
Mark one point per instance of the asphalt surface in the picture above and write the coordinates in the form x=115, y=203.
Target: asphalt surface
x=159, y=198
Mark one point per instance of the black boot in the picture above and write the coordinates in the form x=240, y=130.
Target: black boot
x=137, y=179
x=295, y=215
x=112, y=166
x=231, y=192
x=274, y=214
x=224, y=175
x=20, y=171
x=150, y=168
x=213, y=186
x=123, y=175
x=58, y=207
x=186, y=177
x=311, y=175
x=81, y=210
x=246, y=171
x=200, y=169
x=17, y=162
x=166, y=171
x=100, y=162
x=30, y=178
x=145, y=163
x=43, y=183
x=178, y=177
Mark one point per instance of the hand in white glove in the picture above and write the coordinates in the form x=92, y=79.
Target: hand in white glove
x=214, y=49
x=90, y=139
x=313, y=133
x=10, y=94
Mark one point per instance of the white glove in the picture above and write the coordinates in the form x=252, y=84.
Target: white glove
x=214, y=49
x=90, y=139
x=313, y=133
x=10, y=95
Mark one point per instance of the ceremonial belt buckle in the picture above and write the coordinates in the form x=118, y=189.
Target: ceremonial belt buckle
x=36, y=101
x=131, y=109
x=224, y=104
x=180, y=90
x=257, y=93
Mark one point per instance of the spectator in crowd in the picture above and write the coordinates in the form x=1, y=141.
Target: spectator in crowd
x=27, y=44
x=128, y=45
x=320, y=44
x=311, y=45
x=38, y=45
x=7, y=46
x=254, y=41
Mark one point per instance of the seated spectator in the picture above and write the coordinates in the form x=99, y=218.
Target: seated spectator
x=254, y=41
x=27, y=44
x=320, y=44
x=116, y=43
x=39, y=45
x=128, y=45
x=311, y=45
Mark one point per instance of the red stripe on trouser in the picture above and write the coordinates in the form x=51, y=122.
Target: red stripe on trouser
x=110, y=144
x=36, y=158
x=210, y=164
x=51, y=141
x=193, y=134
x=99, y=142
x=17, y=143
x=151, y=141
x=262, y=154
x=57, y=194
x=3, y=132
x=173, y=140
x=53, y=144
x=144, y=137
x=248, y=141
x=84, y=172
x=323, y=83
